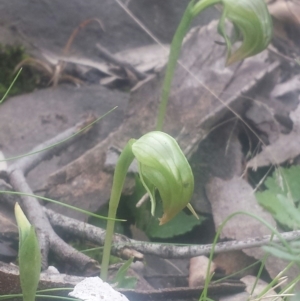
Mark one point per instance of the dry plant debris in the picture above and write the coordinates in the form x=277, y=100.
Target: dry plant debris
x=285, y=148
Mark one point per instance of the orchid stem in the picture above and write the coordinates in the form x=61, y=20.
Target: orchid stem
x=122, y=166
x=173, y=57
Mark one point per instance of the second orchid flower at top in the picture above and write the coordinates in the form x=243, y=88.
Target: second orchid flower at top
x=251, y=20
x=252, y=24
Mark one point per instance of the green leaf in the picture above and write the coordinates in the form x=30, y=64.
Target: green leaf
x=121, y=279
x=285, y=181
x=30, y=265
x=282, y=209
x=29, y=256
x=149, y=224
x=180, y=224
x=162, y=165
x=282, y=253
x=23, y=224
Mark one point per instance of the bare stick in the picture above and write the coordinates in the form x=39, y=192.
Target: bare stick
x=48, y=239
x=173, y=251
x=112, y=59
x=91, y=233
x=121, y=242
x=33, y=212
x=96, y=235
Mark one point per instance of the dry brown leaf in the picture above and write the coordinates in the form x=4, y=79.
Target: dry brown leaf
x=146, y=58
x=219, y=155
x=227, y=197
x=54, y=59
x=262, y=116
x=285, y=11
x=233, y=262
x=287, y=147
x=286, y=20
x=198, y=270
x=260, y=286
x=291, y=85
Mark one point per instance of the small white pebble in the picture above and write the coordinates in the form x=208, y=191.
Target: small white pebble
x=94, y=289
x=52, y=270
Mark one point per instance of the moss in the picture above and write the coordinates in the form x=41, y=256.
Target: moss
x=10, y=57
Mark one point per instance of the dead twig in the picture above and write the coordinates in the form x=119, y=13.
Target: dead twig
x=91, y=233
x=48, y=239
x=124, y=65
x=56, y=72
x=121, y=242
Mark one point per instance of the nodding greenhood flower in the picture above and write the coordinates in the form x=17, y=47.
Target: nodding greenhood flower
x=163, y=166
x=251, y=20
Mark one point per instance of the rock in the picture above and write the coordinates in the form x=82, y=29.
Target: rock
x=31, y=119
x=48, y=24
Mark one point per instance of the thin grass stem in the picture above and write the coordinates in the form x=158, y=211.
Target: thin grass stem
x=10, y=86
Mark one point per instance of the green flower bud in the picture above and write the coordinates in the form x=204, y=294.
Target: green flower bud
x=163, y=166
x=251, y=20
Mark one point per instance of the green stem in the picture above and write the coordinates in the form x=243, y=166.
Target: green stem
x=173, y=57
x=122, y=166
x=10, y=86
x=203, y=296
x=190, y=13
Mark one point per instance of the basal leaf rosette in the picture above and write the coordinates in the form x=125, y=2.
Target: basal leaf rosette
x=251, y=20
x=163, y=166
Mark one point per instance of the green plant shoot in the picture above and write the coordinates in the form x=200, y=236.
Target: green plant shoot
x=162, y=166
x=251, y=21
x=29, y=256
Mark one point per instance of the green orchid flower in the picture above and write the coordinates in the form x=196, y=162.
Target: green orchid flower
x=163, y=166
x=251, y=20
x=29, y=256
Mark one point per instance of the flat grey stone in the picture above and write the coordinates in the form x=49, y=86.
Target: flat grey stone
x=48, y=23
x=33, y=118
